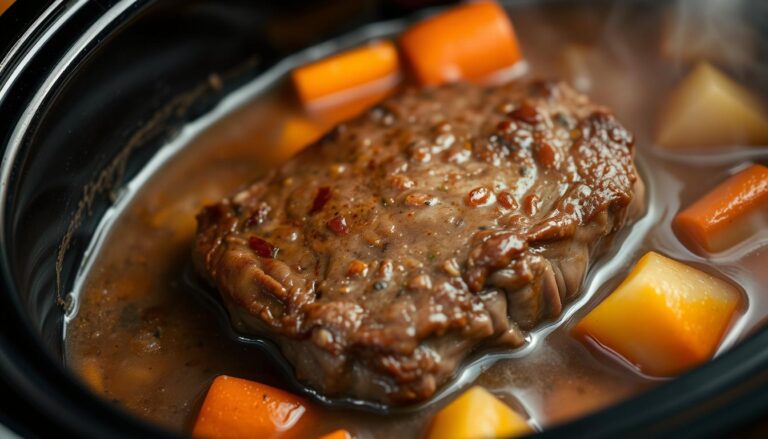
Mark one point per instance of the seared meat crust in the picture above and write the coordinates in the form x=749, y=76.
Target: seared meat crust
x=438, y=222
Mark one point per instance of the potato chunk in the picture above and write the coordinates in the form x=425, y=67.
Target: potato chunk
x=477, y=414
x=709, y=109
x=665, y=317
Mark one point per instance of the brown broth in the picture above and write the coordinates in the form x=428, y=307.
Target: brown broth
x=139, y=338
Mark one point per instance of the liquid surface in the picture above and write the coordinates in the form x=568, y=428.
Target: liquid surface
x=141, y=340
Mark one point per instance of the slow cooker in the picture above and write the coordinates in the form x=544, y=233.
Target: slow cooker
x=85, y=81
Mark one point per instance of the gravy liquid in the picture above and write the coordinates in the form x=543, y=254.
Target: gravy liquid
x=141, y=340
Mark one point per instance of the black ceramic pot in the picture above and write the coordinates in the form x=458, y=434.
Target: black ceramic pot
x=83, y=82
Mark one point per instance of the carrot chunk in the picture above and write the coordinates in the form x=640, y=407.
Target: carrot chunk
x=5, y=4
x=338, y=434
x=237, y=408
x=348, y=75
x=727, y=215
x=301, y=129
x=477, y=414
x=468, y=42
x=665, y=317
x=297, y=132
x=342, y=111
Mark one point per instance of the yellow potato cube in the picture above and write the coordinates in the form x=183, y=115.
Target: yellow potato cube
x=477, y=414
x=710, y=109
x=665, y=317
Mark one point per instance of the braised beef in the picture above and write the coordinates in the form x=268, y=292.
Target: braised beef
x=440, y=222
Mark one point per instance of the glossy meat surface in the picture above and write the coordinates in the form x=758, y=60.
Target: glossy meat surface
x=442, y=221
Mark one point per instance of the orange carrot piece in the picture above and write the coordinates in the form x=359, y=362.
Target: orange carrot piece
x=338, y=434
x=468, y=42
x=297, y=132
x=5, y=4
x=354, y=72
x=728, y=214
x=332, y=115
x=237, y=408
x=300, y=130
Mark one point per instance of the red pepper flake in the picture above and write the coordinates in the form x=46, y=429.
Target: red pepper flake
x=338, y=225
x=419, y=199
x=357, y=268
x=525, y=113
x=258, y=217
x=507, y=200
x=252, y=220
x=546, y=154
x=322, y=197
x=478, y=196
x=531, y=204
x=421, y=155
x=506, y=126
x=262, y=247
x=401, y=182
